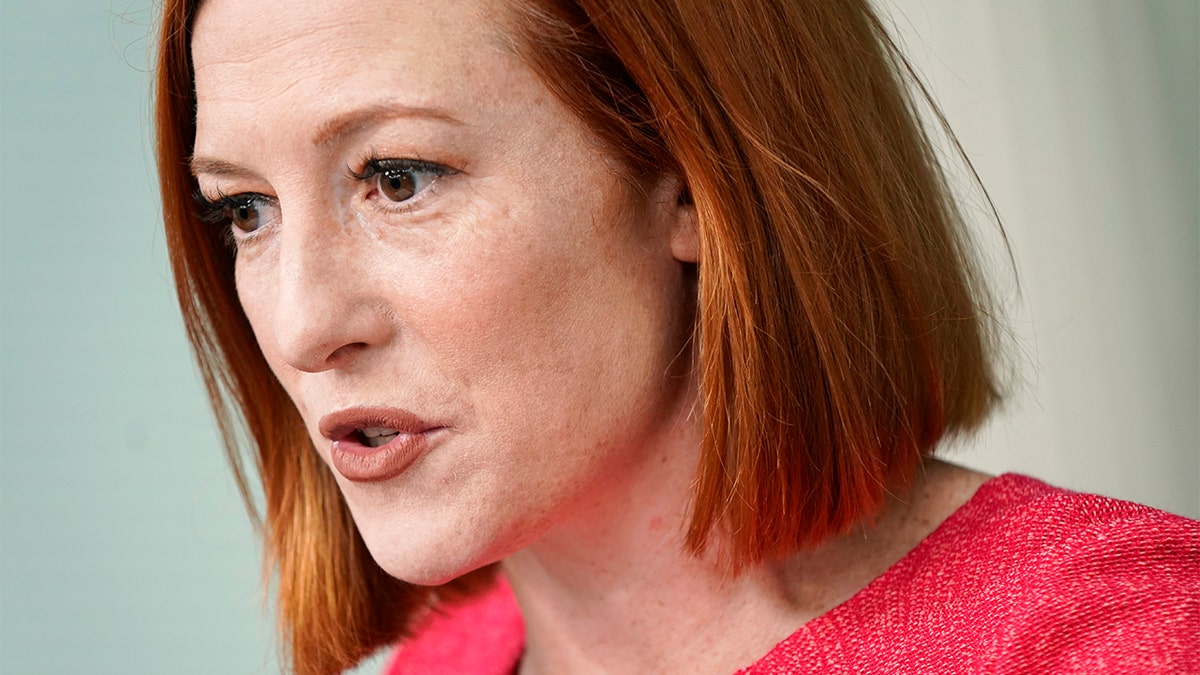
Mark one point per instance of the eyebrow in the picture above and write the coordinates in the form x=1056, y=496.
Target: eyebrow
x=358, y=119
x=217, y=167
x=333, y=130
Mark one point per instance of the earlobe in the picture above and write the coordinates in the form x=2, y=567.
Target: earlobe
x=685, y=234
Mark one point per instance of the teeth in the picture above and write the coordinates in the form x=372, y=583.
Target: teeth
x=372, y=432
x=375, y=437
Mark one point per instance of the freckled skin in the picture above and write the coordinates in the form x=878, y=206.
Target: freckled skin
x=530, y=302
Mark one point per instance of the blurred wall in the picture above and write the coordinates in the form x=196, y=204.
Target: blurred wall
x=123, y=547
x=1081, y=118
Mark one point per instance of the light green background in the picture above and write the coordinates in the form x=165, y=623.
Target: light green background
x=123, y=546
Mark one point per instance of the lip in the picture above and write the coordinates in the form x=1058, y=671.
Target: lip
x=364, y=464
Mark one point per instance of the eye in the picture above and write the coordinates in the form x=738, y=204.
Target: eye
x=398, y=186
x=244, y=213
x=399, y=180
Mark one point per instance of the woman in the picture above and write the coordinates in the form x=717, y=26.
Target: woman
x=616, y=337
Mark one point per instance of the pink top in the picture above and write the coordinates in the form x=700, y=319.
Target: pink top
x=1024, y=578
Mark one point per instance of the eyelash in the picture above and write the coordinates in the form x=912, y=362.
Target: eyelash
x=220, y=211
x=380, y=168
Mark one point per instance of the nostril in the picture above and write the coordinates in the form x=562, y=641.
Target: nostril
x=345, y=353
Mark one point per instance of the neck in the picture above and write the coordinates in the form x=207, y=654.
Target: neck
x=615, y=590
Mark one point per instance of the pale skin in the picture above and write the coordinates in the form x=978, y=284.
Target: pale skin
x=514, y=289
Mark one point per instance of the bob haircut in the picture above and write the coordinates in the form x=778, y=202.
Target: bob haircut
x=842, y=325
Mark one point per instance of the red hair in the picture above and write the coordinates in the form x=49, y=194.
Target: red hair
x=842, y=325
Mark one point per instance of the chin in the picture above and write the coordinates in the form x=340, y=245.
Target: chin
x=436, y=575
x=428, y=558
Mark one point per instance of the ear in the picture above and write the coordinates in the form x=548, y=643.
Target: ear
x=675, y=201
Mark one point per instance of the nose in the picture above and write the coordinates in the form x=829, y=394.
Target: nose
x=328, y=314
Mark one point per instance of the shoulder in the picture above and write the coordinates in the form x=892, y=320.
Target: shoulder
x=480, y=635
x=1055, y=524
x=1101, y=585
x=1059, y=537
x=1044, y=535
x=1024, y=577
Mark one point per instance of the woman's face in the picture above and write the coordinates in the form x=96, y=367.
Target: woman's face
x=482, y=325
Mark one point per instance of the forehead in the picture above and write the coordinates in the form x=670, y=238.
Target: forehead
x=311, y=59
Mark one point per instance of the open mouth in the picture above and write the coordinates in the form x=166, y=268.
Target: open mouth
x=375, y=437
x=373, y=427
x=375, y=443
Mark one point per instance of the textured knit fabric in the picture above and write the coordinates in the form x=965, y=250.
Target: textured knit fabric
x=1023, y=578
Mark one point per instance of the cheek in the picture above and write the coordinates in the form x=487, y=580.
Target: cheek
x=254, y=291
x=257, y=290
x=565, y=314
